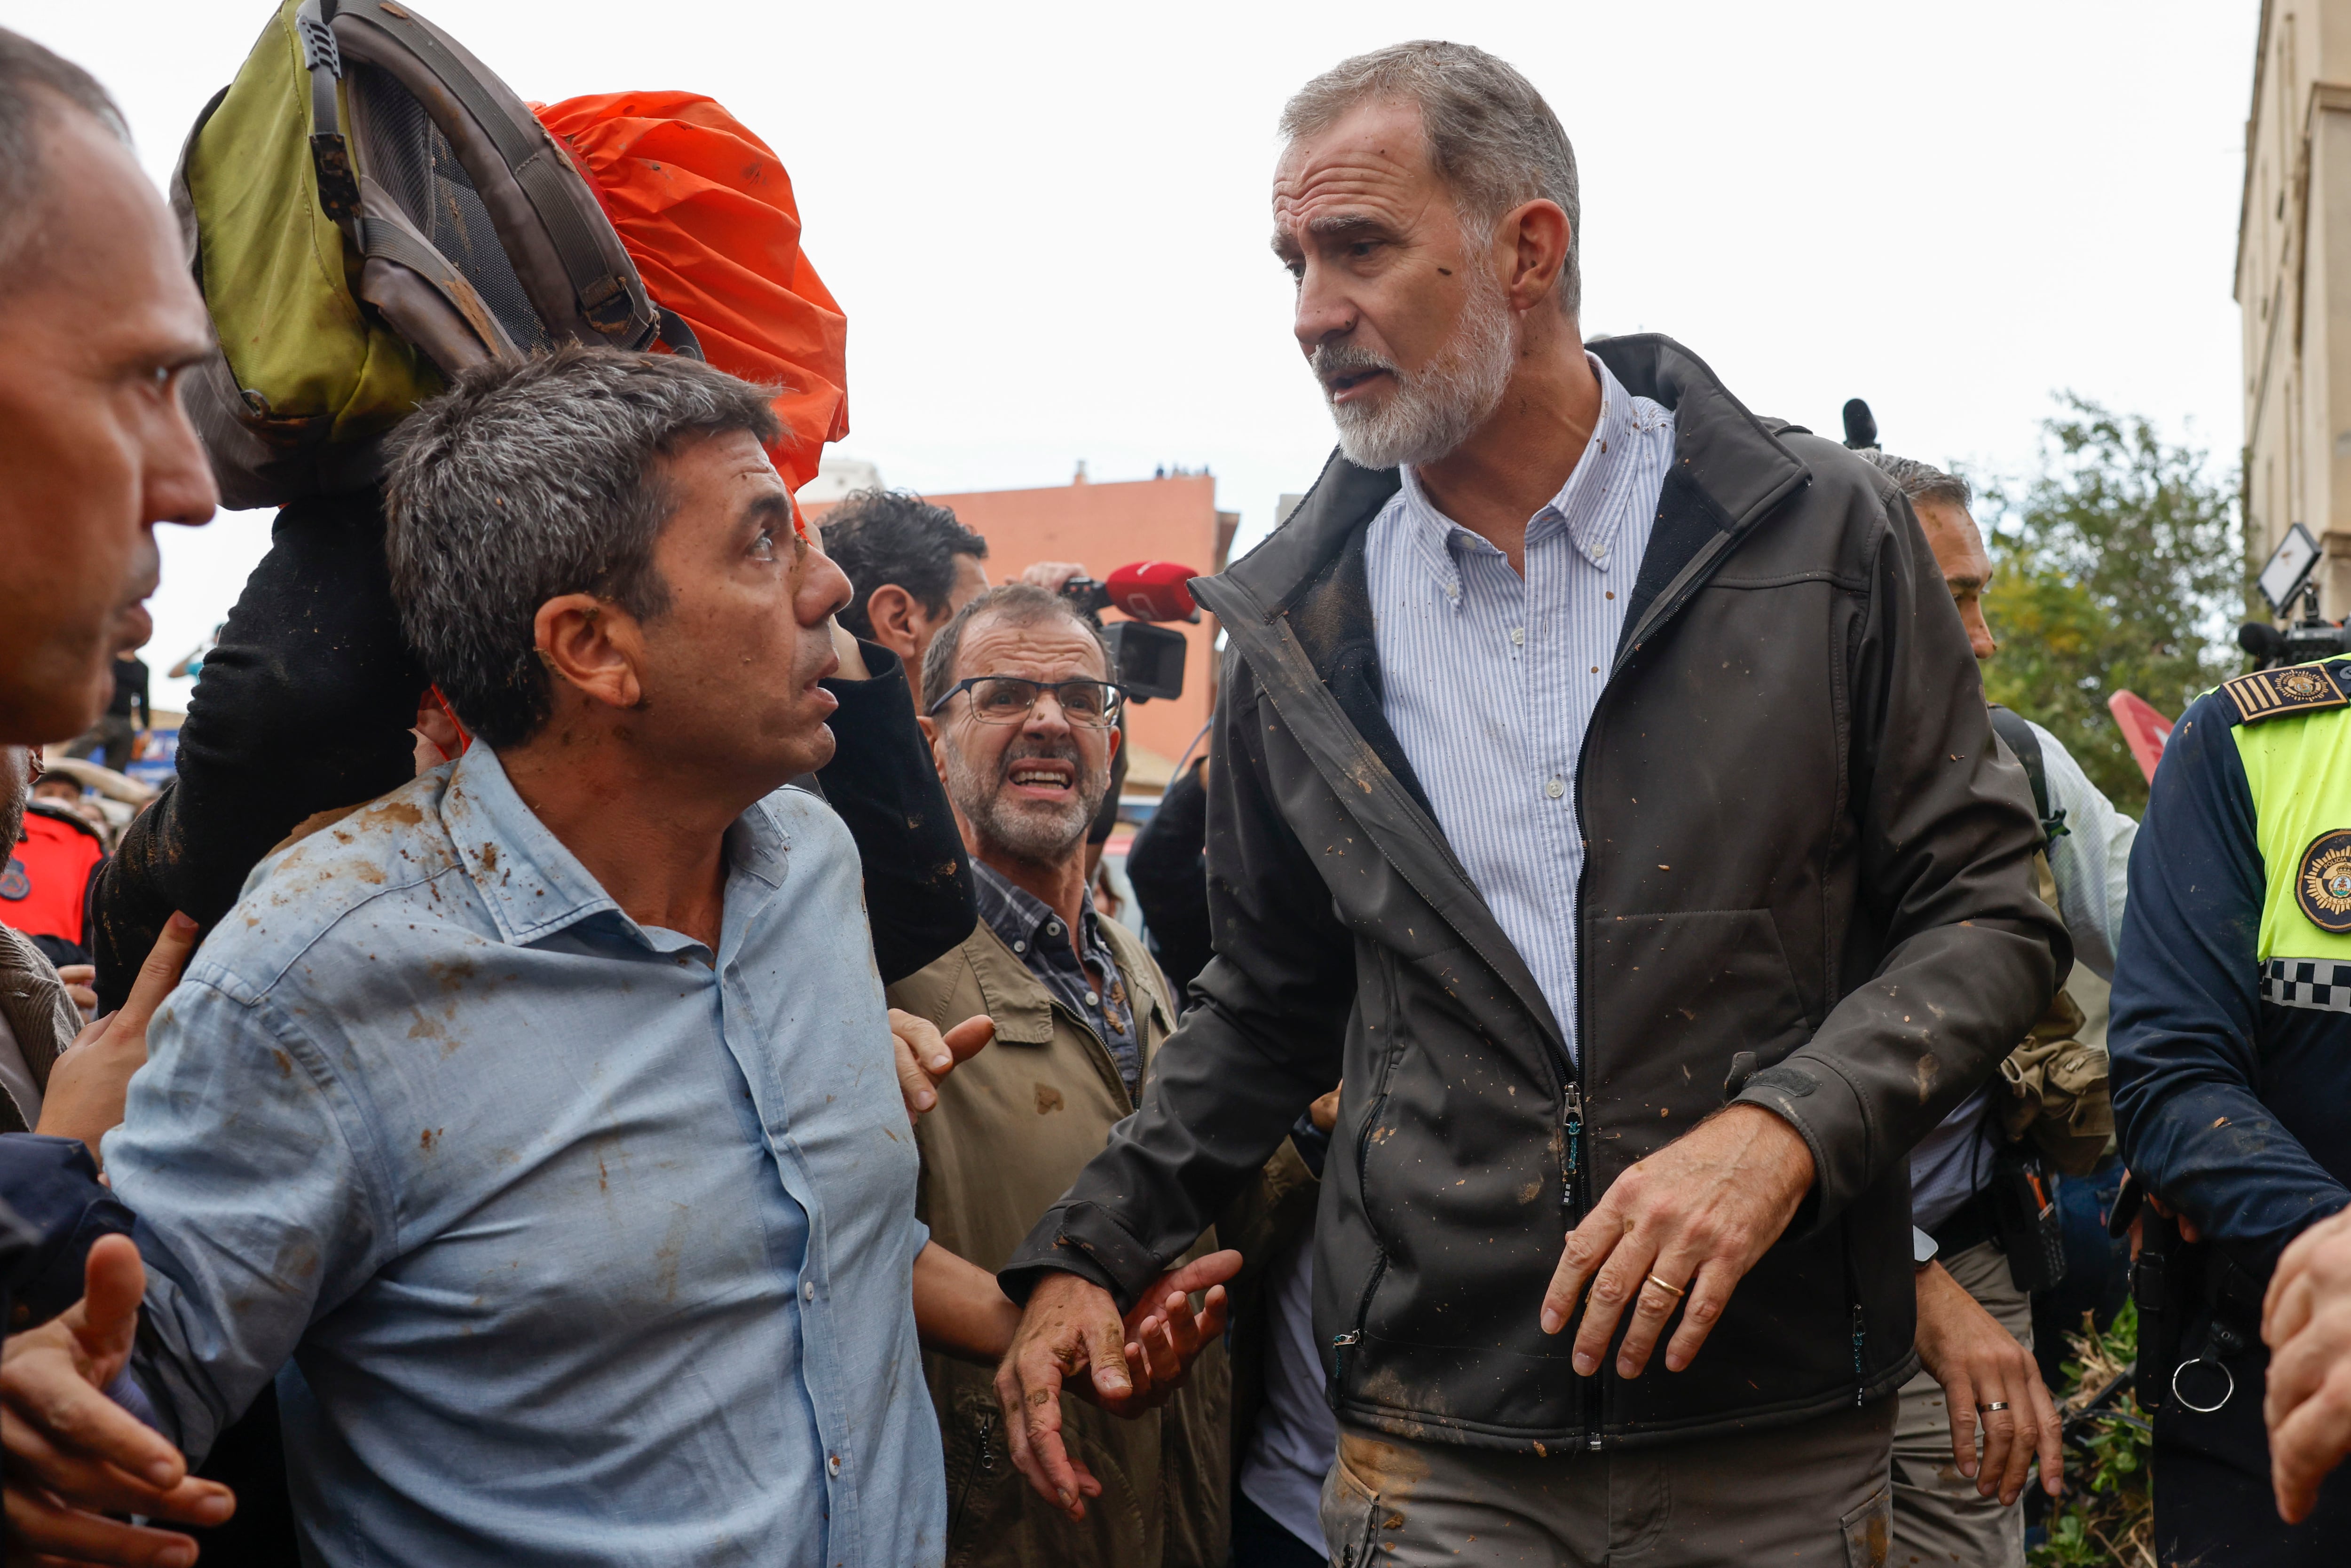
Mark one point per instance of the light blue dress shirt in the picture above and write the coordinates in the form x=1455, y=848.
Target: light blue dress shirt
x=1489, y=679
x=584, y=1250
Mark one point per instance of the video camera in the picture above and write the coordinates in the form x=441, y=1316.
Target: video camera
x=1145, y=659
x=2284, y=578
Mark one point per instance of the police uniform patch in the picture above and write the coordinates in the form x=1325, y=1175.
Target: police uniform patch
x=2322, y=886
x=15, y=885
x=2297, y=688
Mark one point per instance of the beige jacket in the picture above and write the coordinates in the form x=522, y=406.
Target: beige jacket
x=1010, y=1131
x=40, y=1018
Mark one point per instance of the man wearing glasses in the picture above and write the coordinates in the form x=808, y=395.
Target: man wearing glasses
x=1023, y=723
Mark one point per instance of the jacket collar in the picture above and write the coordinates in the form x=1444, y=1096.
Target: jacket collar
x=1730, y=469
x=1022, y=1007
x=1298, y=607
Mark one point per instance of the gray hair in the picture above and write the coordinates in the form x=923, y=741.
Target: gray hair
x=1015, y=603
x=526, y=481
x=1491, y=135
x=35, y=85
x=1921, y=481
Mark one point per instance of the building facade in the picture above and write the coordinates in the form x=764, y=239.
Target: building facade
x=1106, y=526
x=2293, y=287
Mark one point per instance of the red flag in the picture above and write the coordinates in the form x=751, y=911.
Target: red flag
x=2143, y=727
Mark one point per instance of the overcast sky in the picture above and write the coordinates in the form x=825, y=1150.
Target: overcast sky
x=1048, y=223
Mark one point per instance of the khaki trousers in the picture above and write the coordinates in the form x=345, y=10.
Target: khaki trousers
x=1809, y=1496
x=1938, y=1519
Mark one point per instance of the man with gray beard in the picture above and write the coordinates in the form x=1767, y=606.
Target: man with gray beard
x=1022, y=720
x=1603, y=790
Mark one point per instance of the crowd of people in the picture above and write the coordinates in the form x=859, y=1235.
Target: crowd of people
x=610, y=1049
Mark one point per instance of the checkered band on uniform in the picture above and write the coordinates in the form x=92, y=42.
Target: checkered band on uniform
x=2322, y=984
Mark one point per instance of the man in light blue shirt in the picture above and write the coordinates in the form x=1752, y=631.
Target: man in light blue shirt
x=543, y=1112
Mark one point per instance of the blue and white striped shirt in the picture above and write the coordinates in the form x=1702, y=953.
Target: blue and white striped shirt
x=1489, y=679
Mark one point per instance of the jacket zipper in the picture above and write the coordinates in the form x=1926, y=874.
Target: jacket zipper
x=1860, y=1342
x=1575, y=1178
x=986, y=1462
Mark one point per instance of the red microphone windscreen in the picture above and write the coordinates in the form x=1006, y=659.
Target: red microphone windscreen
x=1153, y=590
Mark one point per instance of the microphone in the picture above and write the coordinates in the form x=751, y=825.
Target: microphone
x=1147, y=661
x=1860, y=426
x=2260, y=640
x=1154, y=590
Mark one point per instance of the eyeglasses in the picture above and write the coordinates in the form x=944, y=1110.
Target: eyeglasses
x=1009, y=699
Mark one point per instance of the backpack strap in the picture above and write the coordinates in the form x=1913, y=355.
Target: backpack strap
x=330, y=152
x=2009, y=726
x=507, y=151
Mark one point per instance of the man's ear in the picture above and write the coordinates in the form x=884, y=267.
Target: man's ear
x=1538, y=234
x=592, y=645
x=938, y=746
x=897, y=620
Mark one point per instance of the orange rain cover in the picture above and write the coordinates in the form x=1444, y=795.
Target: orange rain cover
x=705, y=210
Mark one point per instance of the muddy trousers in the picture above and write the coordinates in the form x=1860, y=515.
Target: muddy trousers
x=1809, y=1496
x=1940, y=1518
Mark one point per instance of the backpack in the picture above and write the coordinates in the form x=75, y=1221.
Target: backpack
x=2058, y=1095
x=368, y=209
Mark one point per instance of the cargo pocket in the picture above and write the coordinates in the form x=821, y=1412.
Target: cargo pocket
x=1350, y=1517
x=1869, y=1530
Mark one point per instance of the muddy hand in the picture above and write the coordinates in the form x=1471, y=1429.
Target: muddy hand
x=1165, y=1335
x=1071, y=1329
x=1679, y=1230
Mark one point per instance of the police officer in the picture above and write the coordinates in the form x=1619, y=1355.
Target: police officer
x=2232, y=1044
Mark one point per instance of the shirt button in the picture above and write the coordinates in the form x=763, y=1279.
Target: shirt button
x=1519, y=636
x=832, y=1463
x=1053, y=928
x=1092, y=1000
x=808, y=1292
x=1555, y=789
x=1020, y=947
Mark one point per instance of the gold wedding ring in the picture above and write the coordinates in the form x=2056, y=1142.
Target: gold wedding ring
x=1676, y=1290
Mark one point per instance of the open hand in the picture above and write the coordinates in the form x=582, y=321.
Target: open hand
x=2306, y=1323
x=91, y=1076
x=74, y=1454
x=1073, y=1330
x=924, y=1056
x=1689, y=1221
x=1979, y=1363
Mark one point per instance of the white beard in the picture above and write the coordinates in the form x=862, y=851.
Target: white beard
x=1436, y=408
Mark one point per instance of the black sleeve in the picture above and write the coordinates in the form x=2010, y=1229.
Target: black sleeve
x=2186, y=1034
x=52, y=1186
x=1267, y=1037
x=1168, y=868
x=304, y=704
x=882, y=780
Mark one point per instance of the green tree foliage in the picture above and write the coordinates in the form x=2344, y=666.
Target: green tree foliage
x=2118, y=565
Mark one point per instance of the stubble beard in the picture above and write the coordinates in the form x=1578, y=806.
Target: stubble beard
x=1034, y=833
x=1432, y=411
